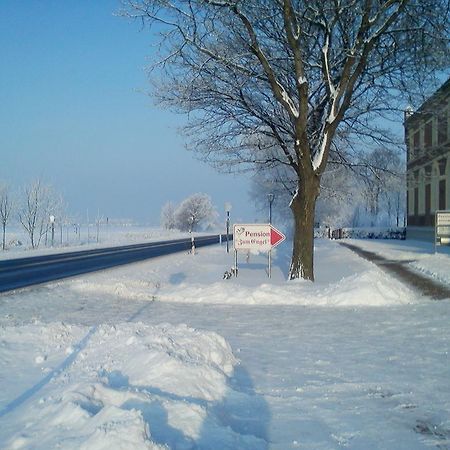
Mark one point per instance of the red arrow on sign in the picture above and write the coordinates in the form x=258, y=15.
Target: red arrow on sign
x=276, y=236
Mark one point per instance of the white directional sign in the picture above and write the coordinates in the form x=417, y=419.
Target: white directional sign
x=442, y=228
x=256, y=236
x=443, y=218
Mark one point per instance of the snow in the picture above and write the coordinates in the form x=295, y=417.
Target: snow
x=166, y=354
x=318, y=157
x=288, y=100
x=101, y=399
x=18, y=245
x=420, y=255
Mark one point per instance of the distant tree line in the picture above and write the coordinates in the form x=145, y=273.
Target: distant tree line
x=192, y=213
x=370, y=192
x=33, y=207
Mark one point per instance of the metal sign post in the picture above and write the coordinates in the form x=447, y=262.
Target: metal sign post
x=269, y=272
x=228, y=231
x=271, y=198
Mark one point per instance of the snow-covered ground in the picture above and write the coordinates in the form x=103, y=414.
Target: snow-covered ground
x=420, y=255
x=167, y=354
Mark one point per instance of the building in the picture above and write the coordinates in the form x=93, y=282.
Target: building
x=427, y=135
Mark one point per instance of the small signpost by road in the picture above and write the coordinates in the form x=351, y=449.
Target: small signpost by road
x=256, y=236
x=52, y=223
x=442, y=228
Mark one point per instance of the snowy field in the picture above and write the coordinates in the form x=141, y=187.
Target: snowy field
x=166, y=354
x=83, y=238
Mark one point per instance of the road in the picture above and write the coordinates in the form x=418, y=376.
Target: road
x=22, y=272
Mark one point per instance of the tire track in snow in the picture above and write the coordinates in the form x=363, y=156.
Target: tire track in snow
x=134, y=315
x=14, y=404
x=11, y=406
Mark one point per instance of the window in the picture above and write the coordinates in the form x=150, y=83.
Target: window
x=427, y=219
x=442, y=163
x=416, y=201
x=428, y=170
x=416, y=140
x=442, y=199
x=443, y=127
x=427, y=199
x=428, y=137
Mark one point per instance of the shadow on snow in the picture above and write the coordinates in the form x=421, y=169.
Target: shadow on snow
x=239, y=421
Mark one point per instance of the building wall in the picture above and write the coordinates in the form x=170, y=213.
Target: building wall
x=427, y=136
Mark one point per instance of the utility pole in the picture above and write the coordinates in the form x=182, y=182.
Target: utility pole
x=271, y=198
x=227, y=210
x=52, y=222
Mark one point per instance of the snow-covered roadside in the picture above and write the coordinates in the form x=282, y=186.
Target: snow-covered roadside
x=180, y=279
x=109, y=237
x=355, y=360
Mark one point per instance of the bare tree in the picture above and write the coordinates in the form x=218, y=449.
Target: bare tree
x=374, y=183
x=39, y=203
x=193, y=211
x=274, y=82
x=6, y=206
x=279, y=182
x=397, y=200
x=340, y=195
x=382, y=173
x=168, y=216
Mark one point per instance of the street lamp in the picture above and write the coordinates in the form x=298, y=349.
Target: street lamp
x=271, y=198
x=52, y=223
x=227, y=210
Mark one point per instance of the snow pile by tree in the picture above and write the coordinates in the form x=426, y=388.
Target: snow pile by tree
x=342, y=276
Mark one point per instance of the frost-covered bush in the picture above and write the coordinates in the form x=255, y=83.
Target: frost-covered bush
x=363, y=233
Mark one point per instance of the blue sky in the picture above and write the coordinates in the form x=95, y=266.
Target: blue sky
x=74, y=113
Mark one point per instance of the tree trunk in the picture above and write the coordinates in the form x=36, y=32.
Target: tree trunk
x=32, y=239
x=303, y=208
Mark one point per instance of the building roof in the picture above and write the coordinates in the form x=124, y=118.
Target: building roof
x=426, y=110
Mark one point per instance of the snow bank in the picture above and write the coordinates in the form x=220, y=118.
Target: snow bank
x=342, y=279
x=36, y=348
x=130, y=386
x=419, y=255
x=435, y=266
x=372, y=288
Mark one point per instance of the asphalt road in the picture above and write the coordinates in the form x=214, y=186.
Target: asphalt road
x=22, y=272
